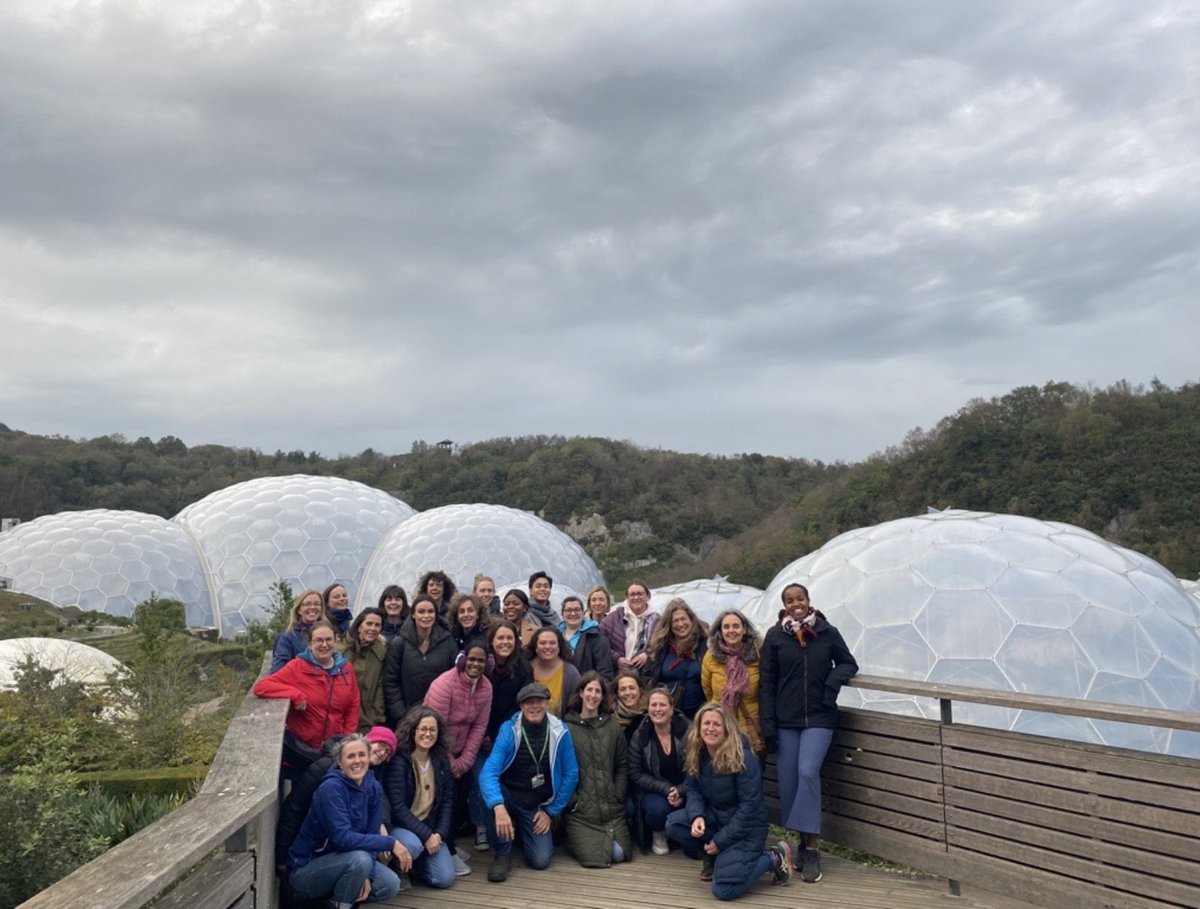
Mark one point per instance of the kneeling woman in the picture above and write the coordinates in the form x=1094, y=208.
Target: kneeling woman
x=596, y=828
x=335, y=853
x=725, y=818
x=420, y=786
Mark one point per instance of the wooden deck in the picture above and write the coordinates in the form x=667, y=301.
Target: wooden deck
x=672, y=882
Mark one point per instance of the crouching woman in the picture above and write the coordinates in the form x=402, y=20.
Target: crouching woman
x=336, y=854
x=725, y=818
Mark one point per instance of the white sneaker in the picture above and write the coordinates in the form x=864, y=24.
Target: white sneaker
x=460, y=867
x=659, y=844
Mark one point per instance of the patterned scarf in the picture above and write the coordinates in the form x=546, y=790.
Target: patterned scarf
x=737, y=677
x=803, y=631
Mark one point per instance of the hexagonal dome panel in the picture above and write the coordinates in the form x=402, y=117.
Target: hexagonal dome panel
x=106, y=560
x=461, y=540
x=308, y=531
x=1012, y=603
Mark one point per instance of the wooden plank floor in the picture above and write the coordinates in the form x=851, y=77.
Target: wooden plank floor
x=671, y=882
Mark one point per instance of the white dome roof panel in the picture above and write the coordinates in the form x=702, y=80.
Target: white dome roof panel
x=1056, y=606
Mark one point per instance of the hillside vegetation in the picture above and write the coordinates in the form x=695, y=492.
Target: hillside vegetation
x=1121, y=461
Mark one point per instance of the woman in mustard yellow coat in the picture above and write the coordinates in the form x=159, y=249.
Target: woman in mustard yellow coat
x=729, y=672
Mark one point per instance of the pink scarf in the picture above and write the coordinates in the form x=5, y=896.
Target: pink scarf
x=737, y=677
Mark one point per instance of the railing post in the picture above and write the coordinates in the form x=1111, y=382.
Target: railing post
x=947, y=707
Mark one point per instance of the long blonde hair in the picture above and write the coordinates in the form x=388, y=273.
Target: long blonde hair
x=663, y=635
x=730, y=756
x=294, y=617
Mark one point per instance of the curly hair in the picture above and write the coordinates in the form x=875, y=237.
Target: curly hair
x=482, y=616
x=448, y=587
x=406, y=734
x=564, y=649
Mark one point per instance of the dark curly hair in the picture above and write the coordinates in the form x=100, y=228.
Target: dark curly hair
x=406, y=733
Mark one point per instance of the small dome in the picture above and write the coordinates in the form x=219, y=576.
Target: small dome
x=1010, y=603
x=308, y=531
x=106, y=560
x=709, y=597
x=462, y=540
x=78, y=662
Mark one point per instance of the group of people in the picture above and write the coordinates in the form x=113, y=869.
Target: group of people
x=615, y=726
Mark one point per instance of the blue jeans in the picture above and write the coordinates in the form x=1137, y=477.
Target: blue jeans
x=436, y=870
x=537, y=847
x=655, y=810
x=340, y=875
x=801, y=754
x=475, y=806
x=679, y=829
x=733, y=891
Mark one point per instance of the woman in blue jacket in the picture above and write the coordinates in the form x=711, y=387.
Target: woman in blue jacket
x=725, y=818
x=335, y=853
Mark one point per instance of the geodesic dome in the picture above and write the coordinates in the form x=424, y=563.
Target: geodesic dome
x=1009, y=603
x=461, y=540
x=106, y=560
x=308, y=531
x=708, y=597
x=78, y=662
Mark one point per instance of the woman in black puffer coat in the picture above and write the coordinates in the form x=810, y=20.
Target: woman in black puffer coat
x=804, y=664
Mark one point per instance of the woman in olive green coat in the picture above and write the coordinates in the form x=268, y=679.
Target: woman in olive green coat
x=597, y=833
x=366, y=650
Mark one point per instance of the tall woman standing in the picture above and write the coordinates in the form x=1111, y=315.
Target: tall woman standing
x=805, y=663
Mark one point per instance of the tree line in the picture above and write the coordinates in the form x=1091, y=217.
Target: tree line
x=1119, y=461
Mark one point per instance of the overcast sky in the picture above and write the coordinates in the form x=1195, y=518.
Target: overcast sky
x=798, y=228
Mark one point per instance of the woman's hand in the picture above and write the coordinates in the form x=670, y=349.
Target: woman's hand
x=674, y=799
x=698, y=827
x=403, y=856
x=433, y=844
x=711, y=848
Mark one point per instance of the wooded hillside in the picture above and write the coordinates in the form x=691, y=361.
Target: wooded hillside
x=1120, y=461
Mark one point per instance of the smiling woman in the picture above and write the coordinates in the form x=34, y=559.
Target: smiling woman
x=336, y=852
x=324, y=697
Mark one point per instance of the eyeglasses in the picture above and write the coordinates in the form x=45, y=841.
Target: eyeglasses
x=637, y=596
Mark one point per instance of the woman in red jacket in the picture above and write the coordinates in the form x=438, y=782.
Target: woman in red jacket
x=324, y=693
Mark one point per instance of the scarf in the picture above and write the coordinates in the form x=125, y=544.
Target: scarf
x=679, y=656
x=803, y=630
x=737, y=677
x=625, y=716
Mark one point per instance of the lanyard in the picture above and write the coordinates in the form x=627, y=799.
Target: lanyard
x=537, y=759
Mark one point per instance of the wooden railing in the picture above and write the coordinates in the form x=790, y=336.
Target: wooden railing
x=214, y=852
x=1057, y=823
x=1052, y=822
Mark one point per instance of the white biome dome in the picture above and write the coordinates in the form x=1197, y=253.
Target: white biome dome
x=77, y=662
x=709, y=597
x=1013, y=604
x=308, y=531
x=106, y=560
x=504, y=543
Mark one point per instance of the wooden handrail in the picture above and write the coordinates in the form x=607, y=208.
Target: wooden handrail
x=240, y=792
x=1096, y=710
x=241, y=786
